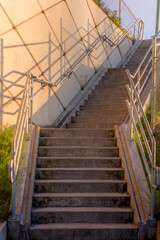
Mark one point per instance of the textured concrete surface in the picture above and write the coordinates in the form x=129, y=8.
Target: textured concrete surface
x=3, y=231
x=21, y=177
x=158, y=230
x=138, y=171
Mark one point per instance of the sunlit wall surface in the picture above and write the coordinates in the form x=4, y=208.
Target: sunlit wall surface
x=39, y=33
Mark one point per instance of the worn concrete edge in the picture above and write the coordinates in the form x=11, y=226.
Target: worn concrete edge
x=22, y=171
x=3, y=231
x=29, y=185
x=139, y=216
x=138, y=171
x=147, y=232
x=158, y=231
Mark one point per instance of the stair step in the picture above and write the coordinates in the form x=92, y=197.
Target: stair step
x=107, y=91
x=84, y=231
x=104, y=101
x=90, y=142
x=104, y=119
x=100, y=113
x=80, y=185
x=120, y=69
x=93, y=125
x=122, y=107
x=79, y=173
x=81, y=200
x=110, y=86
x=115, y=80
x=81, y=215
x=89, y=133
x=65, y=162
x=108, y=95
x=78, y=151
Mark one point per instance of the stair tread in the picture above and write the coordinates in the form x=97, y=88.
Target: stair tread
x=80, y=138
x=77, y=147
x=83, y=209
x=79, y=129
x=85, y=226
x=105, y=158
x=80, y=181
x=88, y=194
x=106, y=104
x=82, y=169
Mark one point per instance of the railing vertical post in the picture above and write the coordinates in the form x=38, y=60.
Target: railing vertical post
x=139, y=30
x=120, y=10
x=27, y=106
x=31, y=100
x=1, y=83
x=153, y=178
x=13, y=183
x=131, y=113
x=134, y=31
x=142, y=30
x=138, y=89
x=14, y=196
x=154, y=40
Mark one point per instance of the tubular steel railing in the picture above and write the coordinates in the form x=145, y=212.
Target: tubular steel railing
x=136, y=112
x=20, y=128
x=26, y=106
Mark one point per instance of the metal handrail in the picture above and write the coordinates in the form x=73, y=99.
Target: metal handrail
x=135, y=109
x=69, y=71
x=139, y=20
x=20, y=128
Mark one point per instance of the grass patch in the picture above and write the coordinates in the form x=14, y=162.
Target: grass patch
x=6, y=135
x=157, y=138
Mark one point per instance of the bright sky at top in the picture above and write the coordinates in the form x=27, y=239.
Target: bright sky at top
x=146, y=9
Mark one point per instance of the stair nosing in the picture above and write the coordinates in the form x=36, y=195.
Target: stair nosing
x=62, y=226
x=88, y=194
x=84, y=209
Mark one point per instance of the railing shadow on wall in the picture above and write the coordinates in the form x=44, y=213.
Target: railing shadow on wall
x=87, y=54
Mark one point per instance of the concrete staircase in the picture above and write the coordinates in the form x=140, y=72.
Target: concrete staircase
x=80, y=190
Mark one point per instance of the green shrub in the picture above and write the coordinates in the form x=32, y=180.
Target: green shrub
x=112, y=15
x=6, y=135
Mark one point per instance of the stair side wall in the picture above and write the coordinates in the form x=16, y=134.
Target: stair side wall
x=69, y=30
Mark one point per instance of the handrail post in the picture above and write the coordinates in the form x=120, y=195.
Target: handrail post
x=153, y=178
x=31, y=100
x=1, y=83
x=120, y=10
x=14, y=195
x=134, y=31
x=154, y=40
x=131, y=113
x=138, y=88
x=139, y=30
x=13, y=183
x=27, y=106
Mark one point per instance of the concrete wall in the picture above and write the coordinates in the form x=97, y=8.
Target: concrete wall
x=73, y=26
